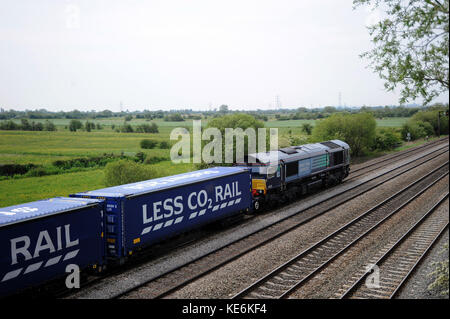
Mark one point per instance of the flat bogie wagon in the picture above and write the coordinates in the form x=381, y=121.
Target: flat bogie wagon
x=143, y=213
x=38, y=240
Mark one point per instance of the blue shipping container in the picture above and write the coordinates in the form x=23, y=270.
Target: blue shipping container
x=147, y=212
x=38, y=240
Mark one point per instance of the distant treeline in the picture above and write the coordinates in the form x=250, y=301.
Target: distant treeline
x=378, y=112
x=181, y=115
x=25, y=125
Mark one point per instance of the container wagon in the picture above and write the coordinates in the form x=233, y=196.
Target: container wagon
x=143, y=213
x=38, y=240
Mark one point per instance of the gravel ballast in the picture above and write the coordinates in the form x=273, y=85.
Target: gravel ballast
x=225, y=285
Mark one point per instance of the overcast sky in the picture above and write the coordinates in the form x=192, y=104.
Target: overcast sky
x=94, y=54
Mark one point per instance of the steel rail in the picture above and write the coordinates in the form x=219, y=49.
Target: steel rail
x=388, y=253
x=280, y=268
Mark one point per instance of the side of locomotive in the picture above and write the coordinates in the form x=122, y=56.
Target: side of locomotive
x=292, y=171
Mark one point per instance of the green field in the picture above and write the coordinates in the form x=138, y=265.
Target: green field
x=43, y=148
x=32, y=147
x=16, y=191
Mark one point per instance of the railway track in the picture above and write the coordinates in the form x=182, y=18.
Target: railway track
x=288, y=277
x=92, y=281
x=402, y=257
x=386, y=160
x=178, y=277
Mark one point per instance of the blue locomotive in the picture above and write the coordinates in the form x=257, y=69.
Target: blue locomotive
x=40, y=241
x=292, y=171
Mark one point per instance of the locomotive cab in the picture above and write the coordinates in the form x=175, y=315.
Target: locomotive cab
x=267, y=177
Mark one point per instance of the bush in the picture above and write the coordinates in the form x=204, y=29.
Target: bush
x=415, y=130
x=203, y=165
x=148, y=144
x=36, y=172
x=147, y=128
x=164, y=145
x=155, y=159
x=386, y=139
x=97, y=161
x=15, y=169
x=127, y=128
x=125, y=171
x=140, y=157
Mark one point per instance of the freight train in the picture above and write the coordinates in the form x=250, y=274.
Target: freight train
x=95, y=229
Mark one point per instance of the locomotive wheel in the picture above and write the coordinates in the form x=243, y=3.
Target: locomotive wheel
x=257, y=206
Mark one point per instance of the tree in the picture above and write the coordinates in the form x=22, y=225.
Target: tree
x=329, y=109
x=125, y=171
x=426, y=123
x=126, y=128
x=147, y=128
x=174, y=118
x=88, y=126
x=74, y=125
x=358, y=130
x=236, y=121
x=223, y=108
x=307, y=128
x=25, y=125
x=49, y=126
x=411, y=46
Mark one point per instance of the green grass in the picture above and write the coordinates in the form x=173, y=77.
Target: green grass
x=392, y=122
x=39, y=147
x=17, y=191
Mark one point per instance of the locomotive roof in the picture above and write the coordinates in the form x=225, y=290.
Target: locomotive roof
x=297, y=152
x=162, y=183
x=41, y=208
